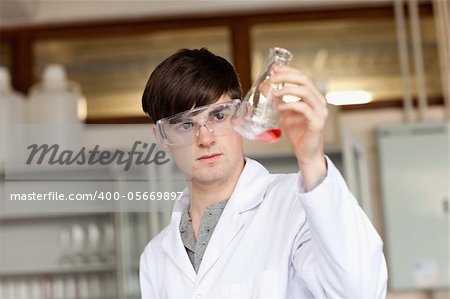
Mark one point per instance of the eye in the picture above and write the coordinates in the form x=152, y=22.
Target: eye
x=184, y=126
x=219, y=116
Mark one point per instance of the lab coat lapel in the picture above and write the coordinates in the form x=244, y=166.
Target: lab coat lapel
x=172, y=243
x=248, y=193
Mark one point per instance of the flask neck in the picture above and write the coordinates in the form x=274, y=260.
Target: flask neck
x=281, y=60
x=280, y=56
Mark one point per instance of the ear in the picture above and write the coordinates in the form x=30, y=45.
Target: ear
x=158, y=138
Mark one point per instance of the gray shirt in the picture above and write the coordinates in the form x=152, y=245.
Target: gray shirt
x=196, y=249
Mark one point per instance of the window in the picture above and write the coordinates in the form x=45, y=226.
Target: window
x=113, y=71
x=349, y=54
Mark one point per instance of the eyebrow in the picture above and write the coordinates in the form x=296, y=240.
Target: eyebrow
x=190, y=114
x=180, y=118
x=220, y=108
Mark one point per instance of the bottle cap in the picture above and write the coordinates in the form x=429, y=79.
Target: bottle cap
x=55, y=77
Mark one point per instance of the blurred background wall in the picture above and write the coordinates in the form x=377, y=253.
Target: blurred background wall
x=383, y=66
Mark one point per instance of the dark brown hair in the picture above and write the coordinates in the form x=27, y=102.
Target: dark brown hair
x=188, y=78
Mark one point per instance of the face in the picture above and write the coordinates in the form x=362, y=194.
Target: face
x=210, y=158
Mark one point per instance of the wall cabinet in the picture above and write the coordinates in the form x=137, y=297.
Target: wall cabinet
x=414, y=174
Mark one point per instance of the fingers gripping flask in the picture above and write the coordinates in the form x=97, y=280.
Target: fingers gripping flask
x=257, y=116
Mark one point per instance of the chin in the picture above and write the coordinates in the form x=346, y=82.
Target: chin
x=209, y=177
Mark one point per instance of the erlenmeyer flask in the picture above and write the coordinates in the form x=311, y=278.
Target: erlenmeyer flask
x=257, y=116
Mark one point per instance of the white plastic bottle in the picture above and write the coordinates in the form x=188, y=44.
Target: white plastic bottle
x=12, y=109
x=57, y=110
x=55, y=99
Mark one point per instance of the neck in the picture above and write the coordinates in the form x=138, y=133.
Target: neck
x=206, y=194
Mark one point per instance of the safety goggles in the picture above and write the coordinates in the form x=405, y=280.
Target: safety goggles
x=183, y=128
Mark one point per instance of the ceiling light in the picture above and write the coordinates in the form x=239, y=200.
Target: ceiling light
x=348, y=97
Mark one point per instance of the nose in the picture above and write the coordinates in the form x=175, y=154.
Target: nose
x=205, y=136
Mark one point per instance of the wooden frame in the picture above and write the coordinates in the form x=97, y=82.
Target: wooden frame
x=22, y=39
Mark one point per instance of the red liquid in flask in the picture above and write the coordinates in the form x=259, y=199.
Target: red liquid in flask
x=269, y=136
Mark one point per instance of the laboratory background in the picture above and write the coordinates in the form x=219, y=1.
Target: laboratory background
x=383, y=65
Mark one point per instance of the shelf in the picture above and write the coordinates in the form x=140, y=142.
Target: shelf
x=48, y=215
x=61, y=269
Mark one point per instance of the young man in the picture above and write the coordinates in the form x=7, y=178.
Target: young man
x=238, y=231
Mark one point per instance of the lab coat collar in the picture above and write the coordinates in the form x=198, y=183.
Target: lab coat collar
x=248, y=194
x=253, y=173
x=250, y=187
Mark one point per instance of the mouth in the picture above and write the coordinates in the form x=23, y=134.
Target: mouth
x=209, y=158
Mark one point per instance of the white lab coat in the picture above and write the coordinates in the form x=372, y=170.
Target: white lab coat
x=273, y=240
